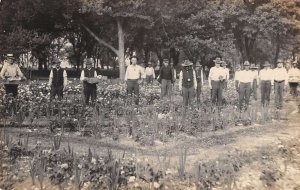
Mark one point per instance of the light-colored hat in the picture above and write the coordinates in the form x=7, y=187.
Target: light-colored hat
x=10, y=56
x=198, y=64
x=187, y=63
x=253, y=66
x=267, y=64
x=246, y=63
x=279, y=61
x=55, y=60
x=217, y=60
x=295, y=62
x=89, y=62
x=223, y=63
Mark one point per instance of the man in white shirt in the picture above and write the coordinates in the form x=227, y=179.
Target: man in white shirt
x=150, y=73
x=266, y=79
x=89, y=86
x=254, y=70
x=57, y=80
x=280, y=81
x=226, y=73
x=10, y=71
x=216, y=80
x=245, y=82
x=294, y=79
x=133, y=73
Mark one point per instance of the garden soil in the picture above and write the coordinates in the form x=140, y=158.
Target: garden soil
x=274, y=149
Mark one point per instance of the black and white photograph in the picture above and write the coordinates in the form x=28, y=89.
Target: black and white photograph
x=149, y=95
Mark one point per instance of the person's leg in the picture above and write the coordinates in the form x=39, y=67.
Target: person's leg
x=169, y=88
x=262, y=92
x=191, y=96
x=255, y=89
x=93, y=93
x=281, y=94
x=220, y=94
x=52, y=92
x=247, y=94
x=268, y=92
x=14, y=90
x=185, y=96
x=241, y=95
x=60, y=92
x=136, y=92
x=198, y=93
x=276, y=91
x=214, y=92
x=163, y=88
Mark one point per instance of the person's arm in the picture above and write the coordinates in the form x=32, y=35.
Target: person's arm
x=286, y=77
x=3, y=71
x=271, y=73
x=65, y=78
x=180, y=81
x=202, y=78
x=19, y=72
x=209, y=77
x=95, y=73
x=153, y=71
x=50, y=77
x=126, y=73
x=82, y=77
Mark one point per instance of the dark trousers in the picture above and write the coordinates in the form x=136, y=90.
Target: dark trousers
x=265, y=87
x=255, y=89
x=166, y=88
x=56, y=90
x=90, y=92
x=244, y=94
x=188, y=95
x=149, y=79
x=217, y=92
x=133, y=87
x=279, y=90
x=11, y=88
x=293, y=88
x=199, y=88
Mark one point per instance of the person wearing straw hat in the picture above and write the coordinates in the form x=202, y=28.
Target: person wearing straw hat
x=187, y=83
x=57, y=80
x=133, y=74
x=280, y=81
x=216, y=82
x=89, y=78
x=200, y=78
x=254, y=70
x=266, y=78
x=11, y=72
x=294, y=78
x=245, y=82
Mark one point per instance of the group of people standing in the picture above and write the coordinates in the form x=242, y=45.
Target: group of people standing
x=190, y=82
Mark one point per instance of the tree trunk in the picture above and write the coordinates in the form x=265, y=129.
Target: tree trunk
x=121, y=55
x=277, y=51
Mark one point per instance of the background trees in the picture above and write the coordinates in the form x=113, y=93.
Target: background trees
x=237, y=30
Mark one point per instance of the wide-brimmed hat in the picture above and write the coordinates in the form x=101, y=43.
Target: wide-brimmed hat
x=55, y=60
x=10, y=56
x=267, y=64
x=198, y=64
x=279, y=61
x=246, y=63
x=187, y=63
x=218, y=60
x=253, y=66
x=223, y=63
x=295, y=62
x=89, y=62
